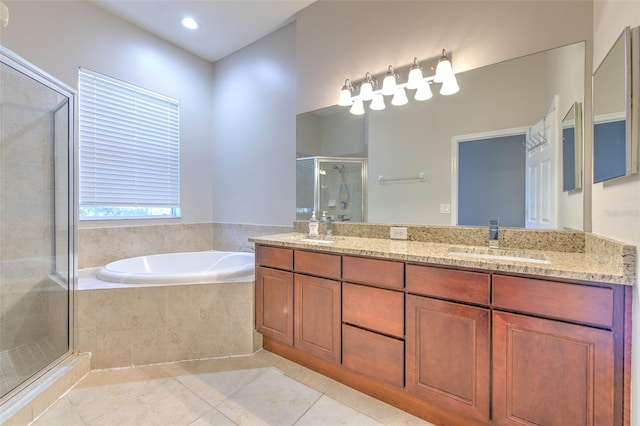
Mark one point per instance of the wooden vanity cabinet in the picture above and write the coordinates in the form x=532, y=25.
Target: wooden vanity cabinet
x=274, y=293
x=554, y=371
x=317, y=317
x=373, y=320
x=451, y=346
x=448, y=342
x=317, y=304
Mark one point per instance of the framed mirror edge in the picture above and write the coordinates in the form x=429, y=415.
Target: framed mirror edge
x=630, y=37
x=575, y=117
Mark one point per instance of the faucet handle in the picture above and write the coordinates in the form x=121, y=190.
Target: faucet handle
x=493, y=232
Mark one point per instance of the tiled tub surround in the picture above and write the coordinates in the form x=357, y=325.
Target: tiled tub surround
x=127, y=325
x=571, y=254
x=98, y=246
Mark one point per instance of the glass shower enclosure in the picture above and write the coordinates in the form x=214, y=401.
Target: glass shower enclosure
x=335, y=185
x=37, y=237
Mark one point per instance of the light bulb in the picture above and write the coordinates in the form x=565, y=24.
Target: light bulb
x=357, y=108
x=415, y=75
x=377, y=103
x=424, y=92
x=345, y=94
x=400, y=97
x=449, y=87
x=443, y=69
x=189, y=23
x=389, y=82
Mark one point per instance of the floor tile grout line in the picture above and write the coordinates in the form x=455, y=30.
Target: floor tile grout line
x=308, y=408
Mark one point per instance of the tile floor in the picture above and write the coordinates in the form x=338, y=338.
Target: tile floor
x=262, y=389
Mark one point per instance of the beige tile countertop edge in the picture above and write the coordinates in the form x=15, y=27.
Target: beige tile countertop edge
x=563, y=265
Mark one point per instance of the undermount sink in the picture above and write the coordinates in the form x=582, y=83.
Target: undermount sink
x=499, y=254
x=316, y=240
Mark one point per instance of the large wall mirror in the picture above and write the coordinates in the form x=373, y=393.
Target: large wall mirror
x=614, y=144
x=442, y=161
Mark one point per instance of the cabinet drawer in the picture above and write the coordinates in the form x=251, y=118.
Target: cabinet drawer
x=464, y=286
x=384, y=273
x=572, y=302
x=274, y=257
x=373, y=355
x=373, y=308
x=320, y=264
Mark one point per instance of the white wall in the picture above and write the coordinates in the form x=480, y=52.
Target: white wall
x=254, y=137
x=616, y=205
x=60, y=36
x=369, y=38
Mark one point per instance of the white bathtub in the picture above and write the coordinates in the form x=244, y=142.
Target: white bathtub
x=180, y=268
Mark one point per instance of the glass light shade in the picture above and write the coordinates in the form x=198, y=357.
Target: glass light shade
x=400, y=97
x=449, y=87
x=424, y=92
x=357, y=108
x=377, y=103
x=389, y=82
x=415, y=78
x=345, y=97
x=443, y=70
x=366, y=91
x=389, y=85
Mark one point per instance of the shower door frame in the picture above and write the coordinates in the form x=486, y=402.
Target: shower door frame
x=29, y=70
x=316, y=182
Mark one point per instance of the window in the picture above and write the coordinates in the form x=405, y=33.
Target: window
x=129, y=150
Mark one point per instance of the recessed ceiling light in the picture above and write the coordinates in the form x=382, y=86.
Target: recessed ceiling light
x=189, y=23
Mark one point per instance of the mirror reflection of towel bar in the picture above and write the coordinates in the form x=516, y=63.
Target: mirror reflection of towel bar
x=420, y=178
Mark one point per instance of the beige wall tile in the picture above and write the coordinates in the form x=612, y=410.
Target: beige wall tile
x=149, y=346
x=113, y=349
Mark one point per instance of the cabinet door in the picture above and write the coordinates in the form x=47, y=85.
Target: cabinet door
x=448, y=355
x=551, y=373
x=274, y=304
x=317, y=317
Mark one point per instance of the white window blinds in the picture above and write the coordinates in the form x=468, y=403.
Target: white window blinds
x=129, y=145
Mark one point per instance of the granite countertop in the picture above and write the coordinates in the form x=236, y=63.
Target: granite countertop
x=590, y=266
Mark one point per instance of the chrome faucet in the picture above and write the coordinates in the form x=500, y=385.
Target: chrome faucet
x=494, y=231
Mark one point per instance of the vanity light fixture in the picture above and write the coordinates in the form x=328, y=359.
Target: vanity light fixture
x=415, y=75
x=358, y=107
x=346, y=93
x=369, y=91
x=189, y=23
x=366, y=88
x=377, y=103
x=399, y=97
x=389, y=82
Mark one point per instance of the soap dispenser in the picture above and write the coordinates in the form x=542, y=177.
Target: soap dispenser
x=313, y=225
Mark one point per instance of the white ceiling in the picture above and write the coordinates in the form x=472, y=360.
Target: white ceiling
x=225, y=25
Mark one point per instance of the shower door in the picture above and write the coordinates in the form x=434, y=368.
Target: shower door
x=342, y=188
x=36, y=217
